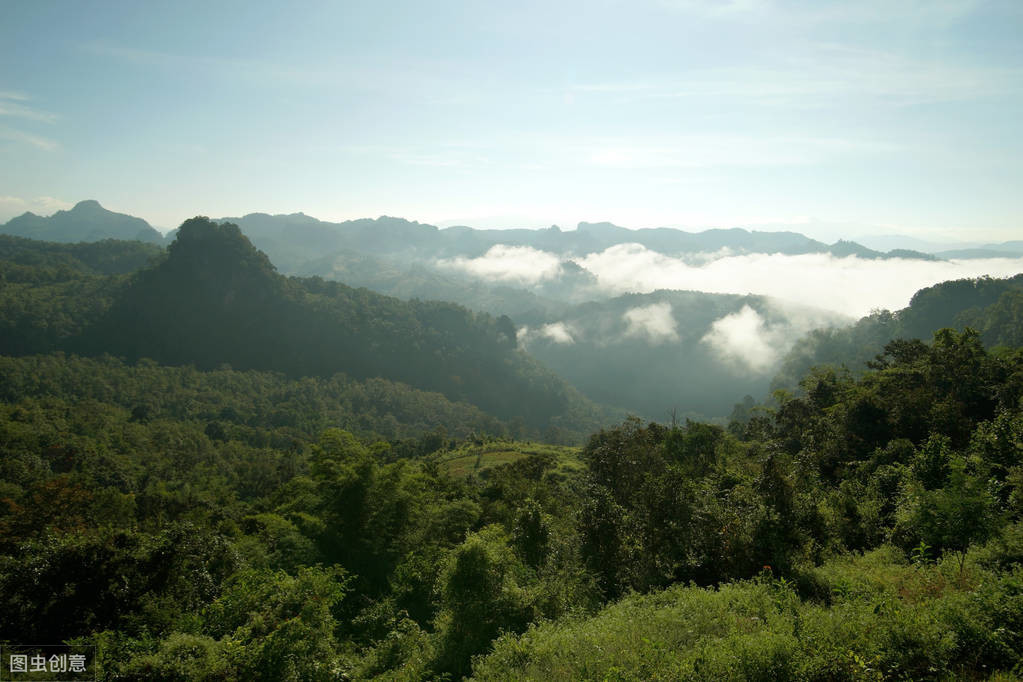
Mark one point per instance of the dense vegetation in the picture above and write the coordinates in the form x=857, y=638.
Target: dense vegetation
x=994, y=307
x=214, y=299
x=194, y=521
x=204, y=525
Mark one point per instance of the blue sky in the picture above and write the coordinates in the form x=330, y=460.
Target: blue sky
x=875, y=116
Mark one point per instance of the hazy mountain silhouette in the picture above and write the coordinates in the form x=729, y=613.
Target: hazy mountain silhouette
x=293, y=239
x=86, y=222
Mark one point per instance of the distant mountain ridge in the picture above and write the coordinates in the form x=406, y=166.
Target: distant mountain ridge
x=414, y=260
x=86, y=222
x=292, y=238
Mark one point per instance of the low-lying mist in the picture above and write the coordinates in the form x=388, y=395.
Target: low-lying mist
x=646, y=331
x=852, y=286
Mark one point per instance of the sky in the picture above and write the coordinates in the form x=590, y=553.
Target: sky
x=836, y=119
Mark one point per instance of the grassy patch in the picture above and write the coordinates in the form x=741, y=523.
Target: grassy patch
x=477, y=459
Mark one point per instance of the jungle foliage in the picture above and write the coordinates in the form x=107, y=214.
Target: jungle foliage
x=213, y=299
x=197, y=521
x=219, y=525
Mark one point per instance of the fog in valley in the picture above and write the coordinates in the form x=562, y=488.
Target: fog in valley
x=850, y=286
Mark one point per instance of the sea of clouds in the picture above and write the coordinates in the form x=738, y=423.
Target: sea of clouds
x=842, y=288
x=851, y=286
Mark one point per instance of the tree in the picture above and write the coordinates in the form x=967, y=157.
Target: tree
x=480, y=597
x=954, y=517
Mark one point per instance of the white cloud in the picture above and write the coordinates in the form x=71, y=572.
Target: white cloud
x=503, y=263
x=8, y=108
x=744, y=341
x=13, y=104
x=558, y=332
x=812, y=76
x=37, y=141
x=702, y=151
x=921, y=13
x=652, y=322
x=15, y=206
x=851, y=286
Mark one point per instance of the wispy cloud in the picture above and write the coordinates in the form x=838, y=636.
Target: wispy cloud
x=827, y=12
x=702, y=151
x=31, y=139
x=831, y=74
x=653, y=322
x=665, y=153
x=14, y=105
x=439, y=155
x=922, y=14
x=420, y=78
x=13, y=206
x=503, y=263
x=10, y=106
x=851, y=286
x=556, y=332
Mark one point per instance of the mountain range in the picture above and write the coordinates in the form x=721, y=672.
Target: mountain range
x=296, y=238
x=293, y=240
x=645, y=353
x=86, y=222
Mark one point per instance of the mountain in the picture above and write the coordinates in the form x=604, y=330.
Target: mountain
x=295, y=239
x=291, y=239
x=887, y=242
x=992, y=306
x=958, y=254
x=86, y=222
x=1013, y=249
x=413, y=260
x=214, y=300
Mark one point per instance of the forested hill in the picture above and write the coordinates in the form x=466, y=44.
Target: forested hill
x=214, y=300
x=993, y=307
x=24, y=259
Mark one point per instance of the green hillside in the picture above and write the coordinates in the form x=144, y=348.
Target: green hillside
x=478, y=458
x=214, y=300
x=211, y=471
x=991, y=306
